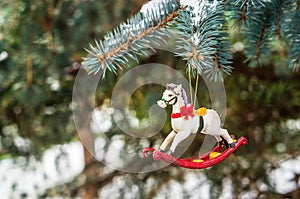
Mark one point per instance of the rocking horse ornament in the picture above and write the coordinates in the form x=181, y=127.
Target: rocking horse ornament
x=186, y=121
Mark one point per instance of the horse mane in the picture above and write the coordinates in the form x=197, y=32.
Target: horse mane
x=172, y=86
x=184, y=96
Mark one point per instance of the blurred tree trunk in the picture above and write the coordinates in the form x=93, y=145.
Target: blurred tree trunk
x=295, y=194
x=84, y=107
x=90, y=171
x=90, y=168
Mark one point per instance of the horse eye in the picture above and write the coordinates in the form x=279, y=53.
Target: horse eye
x=170, y=95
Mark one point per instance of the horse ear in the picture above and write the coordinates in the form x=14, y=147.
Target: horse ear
x=178, y=88
x=168, y=86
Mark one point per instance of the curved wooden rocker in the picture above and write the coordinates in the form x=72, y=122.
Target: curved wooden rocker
x=209, y=159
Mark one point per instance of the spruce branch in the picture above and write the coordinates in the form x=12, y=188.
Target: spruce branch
x=249, y=3
x=290, y=30
x=241, y=10
x=239, y=14
x=295, y=41
x=262, y=24
x=277, y=15
x=139, y=36
x=258, y=34
x=203, y=40
x=193, y=44
x=202, y=34
x=223, y=55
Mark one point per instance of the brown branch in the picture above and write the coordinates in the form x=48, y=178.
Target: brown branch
x=217, y=66
x=102, y=58
x=244, y=15
x=16, y=11
x=194, y=55
x=102, y=181
x=282, y=51
x=29, y=58
x=260, y=41
x=278, y=35
x=29, y=71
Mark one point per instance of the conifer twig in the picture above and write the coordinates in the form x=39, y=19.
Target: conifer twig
x=141, y=35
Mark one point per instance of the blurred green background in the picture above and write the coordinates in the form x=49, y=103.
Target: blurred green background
x=41, y=47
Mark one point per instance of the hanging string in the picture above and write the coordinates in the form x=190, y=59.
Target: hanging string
x=190, y=83
x=196, y=89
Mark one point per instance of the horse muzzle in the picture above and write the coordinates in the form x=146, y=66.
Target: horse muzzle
x=161, y=104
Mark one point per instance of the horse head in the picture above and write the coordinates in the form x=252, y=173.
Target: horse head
x=171, y=95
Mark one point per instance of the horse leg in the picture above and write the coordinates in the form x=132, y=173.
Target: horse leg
x=224, y=133
x=218, y=138
x=222, y=141
x=167, y=141
x=180, y=136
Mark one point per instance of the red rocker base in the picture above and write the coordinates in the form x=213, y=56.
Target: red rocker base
x=209, y=159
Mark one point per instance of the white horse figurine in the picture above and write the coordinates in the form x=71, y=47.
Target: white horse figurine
x=184, y=122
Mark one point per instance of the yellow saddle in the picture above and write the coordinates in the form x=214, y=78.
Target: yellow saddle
x=201, y=111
